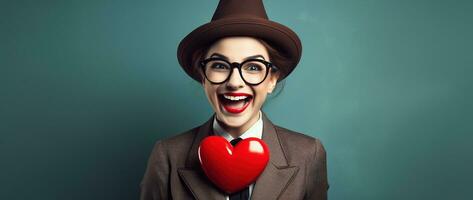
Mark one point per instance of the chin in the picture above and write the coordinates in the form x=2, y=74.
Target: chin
x=234, y=121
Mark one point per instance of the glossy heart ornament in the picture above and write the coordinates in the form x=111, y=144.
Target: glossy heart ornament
x=233, y=168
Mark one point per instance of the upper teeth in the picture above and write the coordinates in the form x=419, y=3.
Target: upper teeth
x=235, y=98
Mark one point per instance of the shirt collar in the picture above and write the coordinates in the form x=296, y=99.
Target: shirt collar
x=256, y=130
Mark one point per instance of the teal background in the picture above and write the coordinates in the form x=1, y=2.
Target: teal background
x=87, y=87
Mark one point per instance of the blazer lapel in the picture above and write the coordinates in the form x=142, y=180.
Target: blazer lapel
x=269, y=185
x=277, y=174
x=193, y=175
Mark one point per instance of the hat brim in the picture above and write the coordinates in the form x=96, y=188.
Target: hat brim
x=284, y=39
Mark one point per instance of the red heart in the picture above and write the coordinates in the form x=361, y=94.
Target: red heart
x=233, y=168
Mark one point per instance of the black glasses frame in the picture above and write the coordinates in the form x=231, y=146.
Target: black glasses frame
x=237, y=65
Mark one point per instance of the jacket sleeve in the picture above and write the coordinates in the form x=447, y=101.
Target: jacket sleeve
x=155, y=182
x=317, y=183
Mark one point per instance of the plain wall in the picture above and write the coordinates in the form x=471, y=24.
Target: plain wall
x=87, y=87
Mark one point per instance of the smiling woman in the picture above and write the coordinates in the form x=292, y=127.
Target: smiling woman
x=243, y=89
x=239, y=58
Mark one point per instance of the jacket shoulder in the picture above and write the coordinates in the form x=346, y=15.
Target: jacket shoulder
x=184, y=138
x=175, y=148
x=298, y=146
x=294, y=137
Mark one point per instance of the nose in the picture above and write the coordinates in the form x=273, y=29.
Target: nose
x=235, y=81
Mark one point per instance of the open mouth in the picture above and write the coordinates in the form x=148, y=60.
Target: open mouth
x=235, y=103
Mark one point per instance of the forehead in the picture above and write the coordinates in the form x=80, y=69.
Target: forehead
x=238, y=48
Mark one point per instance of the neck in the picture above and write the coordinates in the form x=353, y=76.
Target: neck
x=238, y=131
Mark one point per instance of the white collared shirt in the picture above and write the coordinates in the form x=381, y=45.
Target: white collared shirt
x=256, y=130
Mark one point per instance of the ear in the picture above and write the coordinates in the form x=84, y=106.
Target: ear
x=271, y=88
x=202, y=77
x=272, y=82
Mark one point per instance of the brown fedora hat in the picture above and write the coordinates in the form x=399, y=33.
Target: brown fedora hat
x=240, y=18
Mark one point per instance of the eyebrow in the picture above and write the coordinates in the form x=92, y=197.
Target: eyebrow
x=226, y=58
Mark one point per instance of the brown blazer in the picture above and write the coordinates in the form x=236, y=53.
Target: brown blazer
x=296, y=169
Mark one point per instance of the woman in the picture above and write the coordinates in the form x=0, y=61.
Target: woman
x=239, y=57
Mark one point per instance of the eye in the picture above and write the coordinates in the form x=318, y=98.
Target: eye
x=218, y=65
x=253, y=67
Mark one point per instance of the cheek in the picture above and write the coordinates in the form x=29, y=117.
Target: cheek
x=211, y=93
x=260, y=96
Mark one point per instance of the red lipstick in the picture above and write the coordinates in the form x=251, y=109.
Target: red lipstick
x=234, y=110
x=237, y=94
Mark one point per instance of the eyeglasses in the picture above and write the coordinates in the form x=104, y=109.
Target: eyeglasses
x=252, y=71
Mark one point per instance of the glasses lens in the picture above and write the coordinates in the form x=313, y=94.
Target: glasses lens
x=253, y=71
x=217, y=70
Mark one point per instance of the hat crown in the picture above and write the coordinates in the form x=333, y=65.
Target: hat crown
x=240, y=18
x=240, y=9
